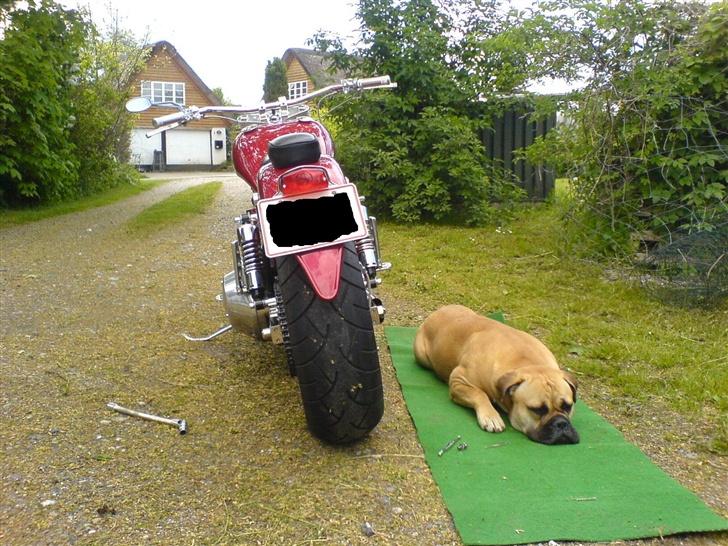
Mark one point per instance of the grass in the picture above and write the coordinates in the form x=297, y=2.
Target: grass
x=607, y=331
x=174, y=209
x=12, y=217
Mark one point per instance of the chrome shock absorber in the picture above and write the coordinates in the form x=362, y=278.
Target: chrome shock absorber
x=368, y=250
x=367, y=255
x=250, y=257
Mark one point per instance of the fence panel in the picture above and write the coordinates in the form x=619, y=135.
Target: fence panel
x=514, y=131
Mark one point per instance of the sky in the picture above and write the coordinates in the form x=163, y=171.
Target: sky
x=227, y=42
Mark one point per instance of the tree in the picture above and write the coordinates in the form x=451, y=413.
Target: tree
x=39, y=60
x=648, y=133
x=220, y=95
x=276, y=83
x=416, y=152
x=102, y=130
x=63, y=128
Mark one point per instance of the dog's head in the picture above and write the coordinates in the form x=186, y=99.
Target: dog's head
x=540, y=402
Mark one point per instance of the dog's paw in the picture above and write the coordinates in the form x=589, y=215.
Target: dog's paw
x=491, y=423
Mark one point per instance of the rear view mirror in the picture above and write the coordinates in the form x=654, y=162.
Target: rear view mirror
x=138, y=104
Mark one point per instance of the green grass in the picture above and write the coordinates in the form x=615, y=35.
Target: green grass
x=608, y=331
x=177, y=208
x=11, y=217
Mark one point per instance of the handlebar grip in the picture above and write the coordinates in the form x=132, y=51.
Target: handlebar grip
x=169, y=118
x=374, y=82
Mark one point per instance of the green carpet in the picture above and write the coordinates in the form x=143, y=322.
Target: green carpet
x=506, y=489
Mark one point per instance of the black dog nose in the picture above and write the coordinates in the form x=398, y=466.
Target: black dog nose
x=559, y=431
x=560, y=423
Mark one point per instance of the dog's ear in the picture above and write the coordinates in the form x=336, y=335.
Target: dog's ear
x=571, y=380
x=506, y=384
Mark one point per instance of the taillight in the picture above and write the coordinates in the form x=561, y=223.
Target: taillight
x=303, y=180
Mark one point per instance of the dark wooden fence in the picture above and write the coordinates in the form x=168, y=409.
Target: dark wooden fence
x=513, y=131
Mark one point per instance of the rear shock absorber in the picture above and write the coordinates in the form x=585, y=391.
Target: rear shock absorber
x=368, y=250
x=367, y=255
x=251, y=257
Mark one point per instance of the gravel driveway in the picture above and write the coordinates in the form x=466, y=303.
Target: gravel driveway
x=91, y=314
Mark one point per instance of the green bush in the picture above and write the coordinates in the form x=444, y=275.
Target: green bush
x=647, y=139
x=415, y=151
x=39, y=59
x=63, y=129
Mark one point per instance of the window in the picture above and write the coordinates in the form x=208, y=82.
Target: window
x=164, y=91
x=297, y=89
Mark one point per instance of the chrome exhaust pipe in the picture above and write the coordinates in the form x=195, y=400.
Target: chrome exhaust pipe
x=245, y=313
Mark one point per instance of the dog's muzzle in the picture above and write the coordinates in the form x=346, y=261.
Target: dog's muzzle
x=558, y=430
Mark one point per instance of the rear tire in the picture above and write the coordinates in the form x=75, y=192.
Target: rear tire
x=334, y=352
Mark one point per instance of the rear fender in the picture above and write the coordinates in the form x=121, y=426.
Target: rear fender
x=323, y=269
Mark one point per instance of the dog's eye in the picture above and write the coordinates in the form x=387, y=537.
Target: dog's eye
x=541, y=410
x=566, y=407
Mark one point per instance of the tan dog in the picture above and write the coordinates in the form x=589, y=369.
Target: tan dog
x=484, y=360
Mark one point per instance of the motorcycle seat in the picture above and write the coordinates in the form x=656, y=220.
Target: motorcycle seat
x=294, y=149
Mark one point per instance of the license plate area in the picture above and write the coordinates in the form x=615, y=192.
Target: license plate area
x=310, y=221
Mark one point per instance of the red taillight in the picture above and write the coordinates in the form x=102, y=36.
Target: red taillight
x=303, y=180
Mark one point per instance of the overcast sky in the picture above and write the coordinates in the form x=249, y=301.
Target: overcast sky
x=228, y=42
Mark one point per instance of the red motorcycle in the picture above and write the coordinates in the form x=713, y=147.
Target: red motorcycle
x=305, y=258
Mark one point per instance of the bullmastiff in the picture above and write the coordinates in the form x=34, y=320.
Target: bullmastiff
x=485, y=362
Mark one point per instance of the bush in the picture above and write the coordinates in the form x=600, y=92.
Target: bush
x=415, y=151
x=63, y=129
x=39, y=59
x=647, y=141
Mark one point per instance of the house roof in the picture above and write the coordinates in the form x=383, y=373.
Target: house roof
x=174, y=54
x=315, y=64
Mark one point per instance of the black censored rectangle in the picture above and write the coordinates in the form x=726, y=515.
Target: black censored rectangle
x=310, y=221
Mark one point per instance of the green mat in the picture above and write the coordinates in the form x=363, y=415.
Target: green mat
x=506, y=489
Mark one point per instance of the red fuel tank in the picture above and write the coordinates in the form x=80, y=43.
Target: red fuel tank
x=251, y=146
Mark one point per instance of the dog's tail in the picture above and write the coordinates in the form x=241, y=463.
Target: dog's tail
x=420, y=348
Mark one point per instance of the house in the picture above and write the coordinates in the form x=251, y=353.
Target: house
x=196, y=145
x=306, y=70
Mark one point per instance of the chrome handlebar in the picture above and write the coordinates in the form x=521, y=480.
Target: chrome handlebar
x=261, y=114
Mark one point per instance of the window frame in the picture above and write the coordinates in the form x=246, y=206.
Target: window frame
x=297, y=89
x=156, y=89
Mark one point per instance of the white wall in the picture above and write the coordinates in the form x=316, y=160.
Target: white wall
x=219, y=156
x=142, y=148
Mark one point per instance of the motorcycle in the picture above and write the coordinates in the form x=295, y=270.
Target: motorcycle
x=305, y=258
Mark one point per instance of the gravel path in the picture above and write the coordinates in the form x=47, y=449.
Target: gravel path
x=91, y=314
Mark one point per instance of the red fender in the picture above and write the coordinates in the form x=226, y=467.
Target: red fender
x=323, y=269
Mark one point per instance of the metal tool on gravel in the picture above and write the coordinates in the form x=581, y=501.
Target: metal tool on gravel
x=219, y=332
x=179, y=424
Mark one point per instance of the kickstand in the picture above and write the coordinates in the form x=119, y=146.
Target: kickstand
x=220, y=332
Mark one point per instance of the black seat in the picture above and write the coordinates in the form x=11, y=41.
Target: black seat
x=294, y=149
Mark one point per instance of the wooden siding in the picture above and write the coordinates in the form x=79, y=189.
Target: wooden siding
x=162, y=67
x=296, y=73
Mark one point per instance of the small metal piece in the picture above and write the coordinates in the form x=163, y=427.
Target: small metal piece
x=449, y=445
x=220, y=332
x=179, y=424
x=463, y=446
x=377, y=310
x=274, y=333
